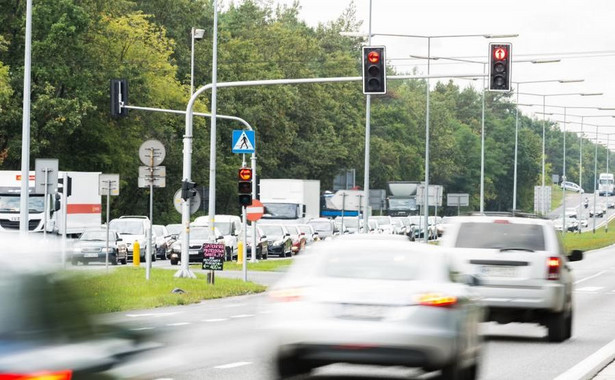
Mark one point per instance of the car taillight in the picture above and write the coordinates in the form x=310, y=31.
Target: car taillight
x=437, y=299
x=553, y=268
x=285, y=295
x=43, y=375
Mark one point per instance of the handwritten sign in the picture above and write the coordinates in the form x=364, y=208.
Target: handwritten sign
x=213, y=256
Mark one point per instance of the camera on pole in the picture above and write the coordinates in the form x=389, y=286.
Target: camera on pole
x=244, y=186
x=374, y=70
x=500, y=67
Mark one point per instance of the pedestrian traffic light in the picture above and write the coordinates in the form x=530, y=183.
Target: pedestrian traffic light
x=119, y=97
x=188, y=190
x=68, y=185
x=500, y=58
x=244, y=186
x=374, y=70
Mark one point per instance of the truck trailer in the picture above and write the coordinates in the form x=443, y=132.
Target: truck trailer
x=83, y=208
x=290, y=200
x=402, y=198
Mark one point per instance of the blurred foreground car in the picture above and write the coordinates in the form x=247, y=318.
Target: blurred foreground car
x=375, y=300
x=524, y=271
x=92, y=246
x=46, y=331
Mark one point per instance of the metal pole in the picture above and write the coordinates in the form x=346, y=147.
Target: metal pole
x=514, y=205
x=254, y=240
x=581, y=169
x=368, y=99
x=542, y=189
x=46, y=203
x=595, y=177
x=482, y=150
x=426, y=190
x=212, y=143
x=244, y=250
x=192, y=62
x=107, y=224
x=148, y=252
x=564, y=179
x=25, y=133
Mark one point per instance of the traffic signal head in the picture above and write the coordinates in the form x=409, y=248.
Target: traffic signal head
x=500, y=67
x=119, y=97
x=244, y=186
x=374, y=70
x=188, y=190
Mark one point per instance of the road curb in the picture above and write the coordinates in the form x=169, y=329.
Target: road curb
x=589, y=367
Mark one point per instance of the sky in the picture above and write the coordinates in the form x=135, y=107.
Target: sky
x=580, y=33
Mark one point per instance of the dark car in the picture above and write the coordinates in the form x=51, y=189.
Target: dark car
x=262, y=244
x=279, y=239
x=92, y=246
x=48, y=332
x=198, y=237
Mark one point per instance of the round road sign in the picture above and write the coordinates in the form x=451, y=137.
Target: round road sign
x=195, y=202
x=152, y=153
x=255, y=211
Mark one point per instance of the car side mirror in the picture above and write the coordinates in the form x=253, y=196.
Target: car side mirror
x=575, y=255
x=263, y=236
x=468, y=279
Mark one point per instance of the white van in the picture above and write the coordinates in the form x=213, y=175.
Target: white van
x=229, y=226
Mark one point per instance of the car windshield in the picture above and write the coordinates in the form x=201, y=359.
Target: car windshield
x=501, y=236
x=158, y=230
x=11, y=203
x=305, y=229
x=128, y=227
x=272, y=230
x=174, y=229
x=97, y=235
x=224, y=227
x=386, y=264
x=322, y=226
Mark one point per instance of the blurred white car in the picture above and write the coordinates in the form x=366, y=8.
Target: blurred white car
x=374, y=300
x=571, y=186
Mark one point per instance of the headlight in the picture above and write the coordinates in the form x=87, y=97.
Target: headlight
x=105, y=250
x=77, y=250
x=176, y=248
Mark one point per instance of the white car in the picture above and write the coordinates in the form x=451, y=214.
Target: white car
x=571, y=186
x=524, y=271
x=229, y=226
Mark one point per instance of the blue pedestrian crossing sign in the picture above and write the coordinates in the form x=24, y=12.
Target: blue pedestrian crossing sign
x=243, y=142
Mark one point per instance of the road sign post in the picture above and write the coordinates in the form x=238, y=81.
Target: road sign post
x=108, y=184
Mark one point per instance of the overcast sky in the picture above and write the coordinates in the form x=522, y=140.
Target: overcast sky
x=581, y=33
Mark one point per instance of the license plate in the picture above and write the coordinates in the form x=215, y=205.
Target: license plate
x=498, y=271
x=353, y=311
x=90, y=255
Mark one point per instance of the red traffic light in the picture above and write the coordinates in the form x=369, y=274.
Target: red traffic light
x=245, y=174
x=373, y=57
x=500, y=53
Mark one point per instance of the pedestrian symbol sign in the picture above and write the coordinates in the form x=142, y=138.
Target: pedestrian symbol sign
x=243, y=142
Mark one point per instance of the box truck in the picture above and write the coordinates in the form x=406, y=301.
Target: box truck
x=290, y=200
x=83, y=209
x=605, y=184
x=402, y=198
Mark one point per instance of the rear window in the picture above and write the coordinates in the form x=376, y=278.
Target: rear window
x=501, y=236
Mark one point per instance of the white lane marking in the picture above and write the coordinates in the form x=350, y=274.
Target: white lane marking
x=589, y=288
x=590, y=277
x=215, y=320
x=142, y=328
x=178, y=324
x=232, y=365
x=242, y=316
x=149, y=315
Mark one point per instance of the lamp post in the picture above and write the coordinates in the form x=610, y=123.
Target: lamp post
x=544, y=96
x=427, y=95
x=195, y=34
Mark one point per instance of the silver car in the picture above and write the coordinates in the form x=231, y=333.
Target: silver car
x=375, y=300
x=522, y=267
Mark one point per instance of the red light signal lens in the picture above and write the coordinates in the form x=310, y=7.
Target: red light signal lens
x=500, y=53
x=245, y=174
x=373, y=57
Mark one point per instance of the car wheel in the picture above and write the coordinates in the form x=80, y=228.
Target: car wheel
x=114, y=260
x=124, y=261
x=556, y=327
x=452, y=371
x=569, y=326
x=290, y=367
x=74, y=262
x=174, y=261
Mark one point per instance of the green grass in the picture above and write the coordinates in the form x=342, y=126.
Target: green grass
x=556, y=197
x=126, y=288
x=588, y=240
x=262, y=265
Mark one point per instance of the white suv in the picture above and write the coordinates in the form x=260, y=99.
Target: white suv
x=131, y=229
x=521, y=266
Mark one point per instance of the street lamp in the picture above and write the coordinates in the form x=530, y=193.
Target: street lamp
x=195, y=34
x=544, y=96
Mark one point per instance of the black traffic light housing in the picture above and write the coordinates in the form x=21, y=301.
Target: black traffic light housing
x=244, y=186
x=500, y=66
x=119, y=97
x=68, y=186
x=188, y=190
x=374, y=70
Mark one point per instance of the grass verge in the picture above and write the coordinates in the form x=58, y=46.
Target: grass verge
x=588, y=240
x=126, y=288
x=261, y=265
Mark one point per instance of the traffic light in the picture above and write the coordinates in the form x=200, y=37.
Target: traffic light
x=119, y=97
x=188, y=190
x=500, y=58
x=374, y=70
x=244, y=186
x=68, y=186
